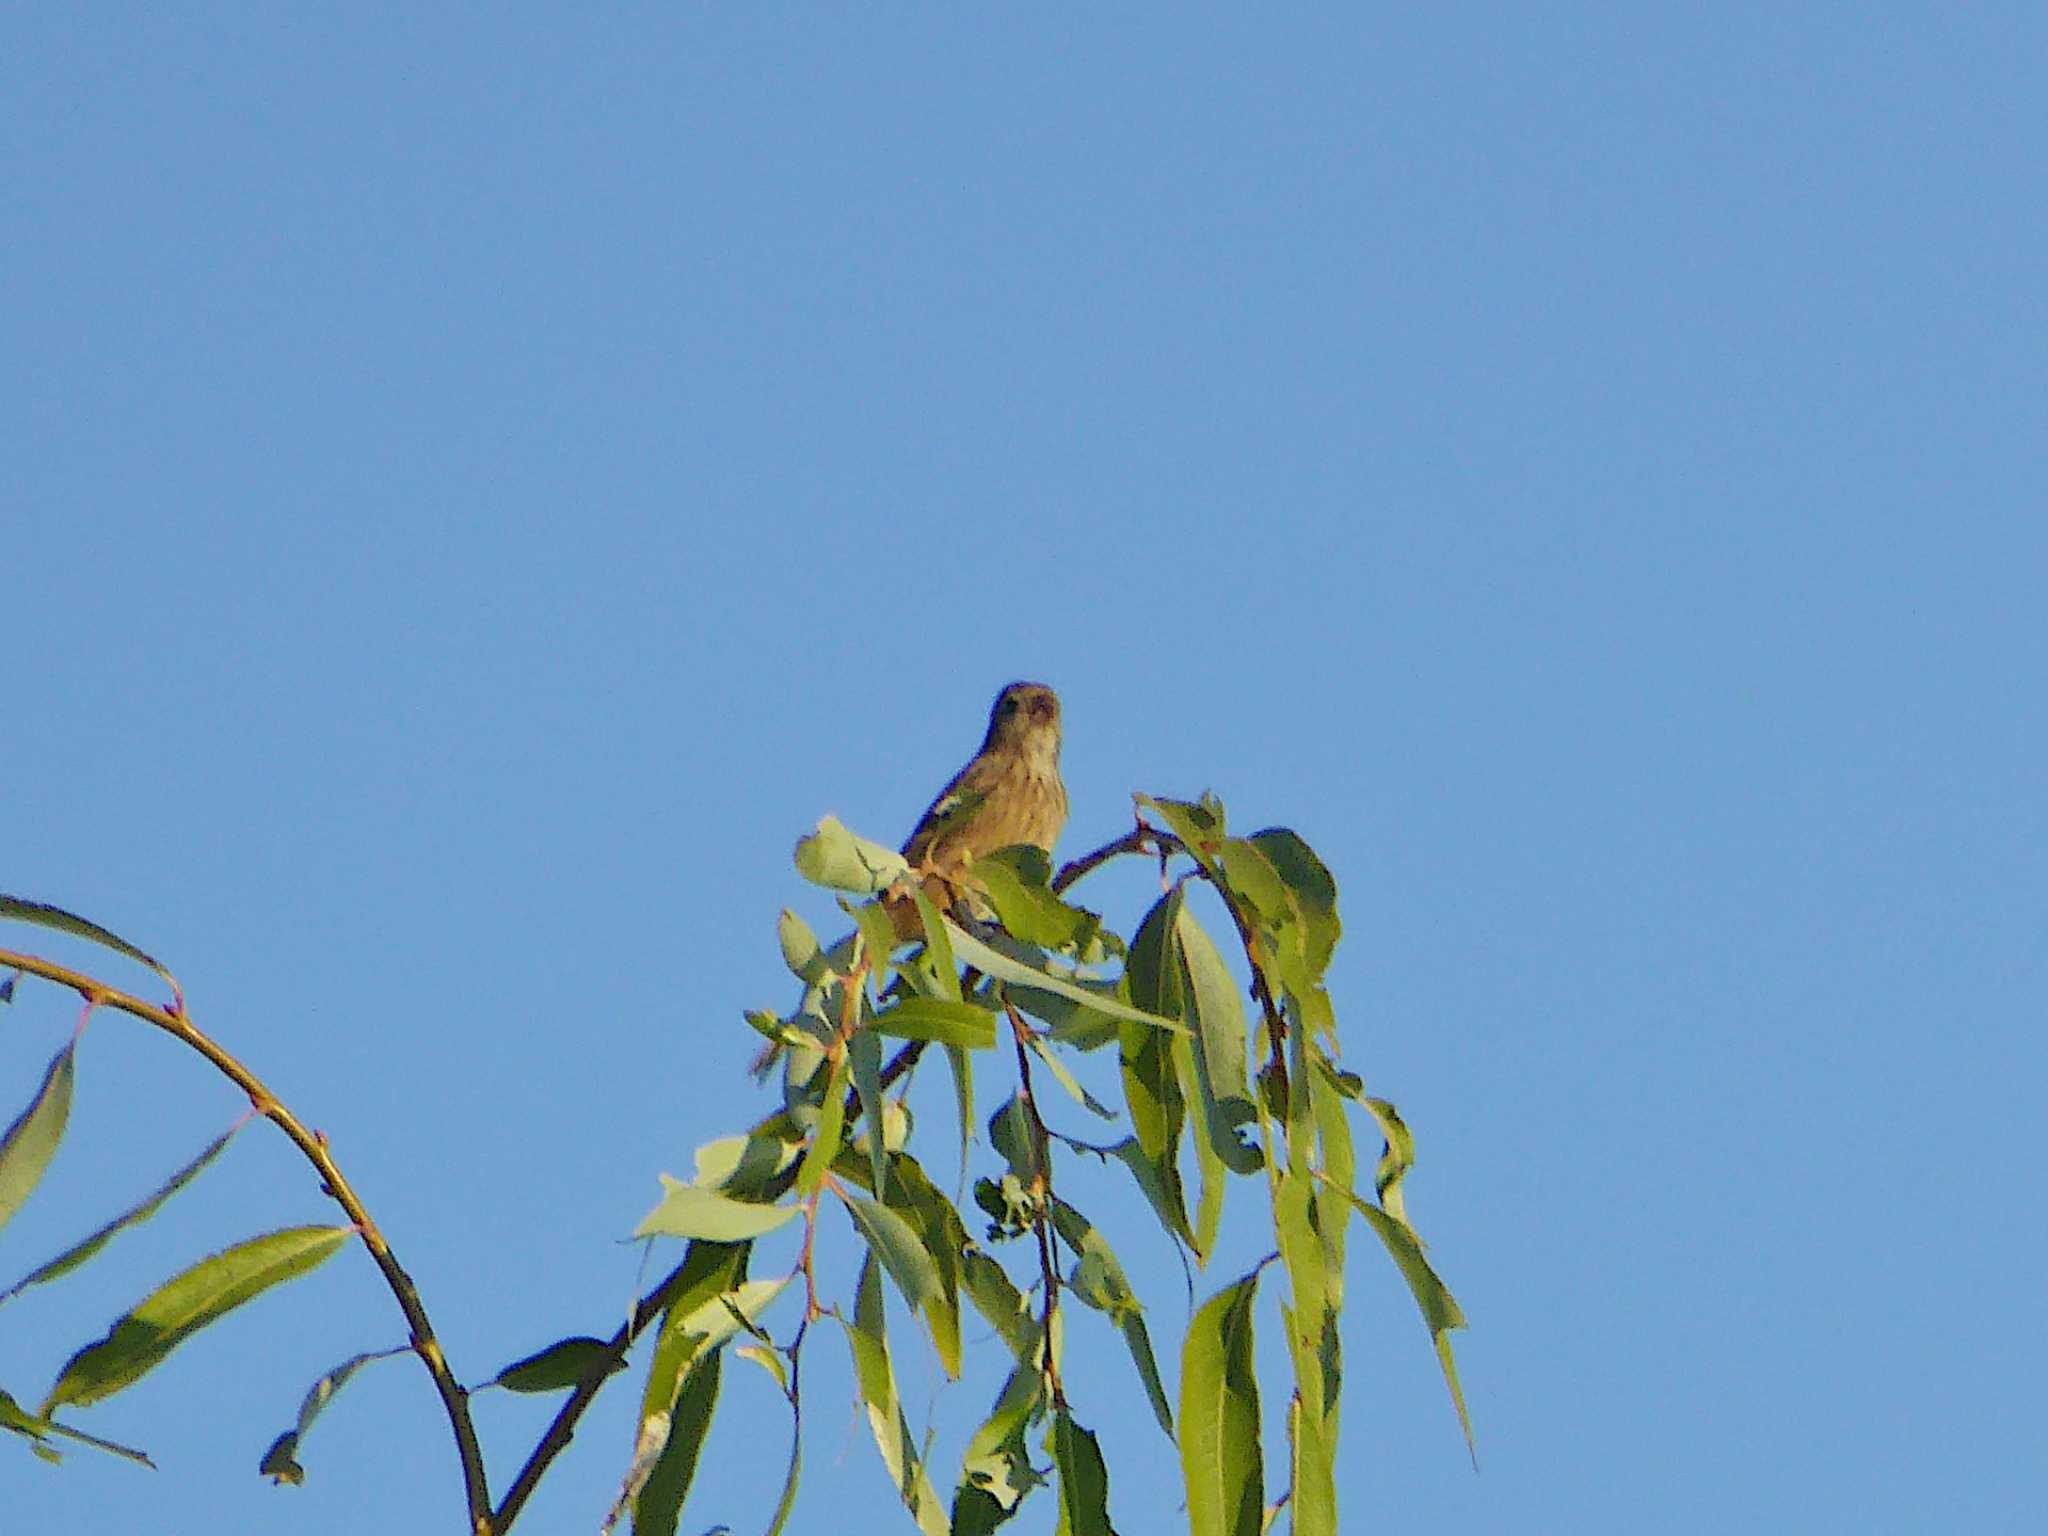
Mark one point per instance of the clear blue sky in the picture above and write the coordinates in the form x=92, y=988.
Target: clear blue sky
x=477, y=482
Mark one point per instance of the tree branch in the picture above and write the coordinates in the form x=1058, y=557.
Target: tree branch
x=313, y=1146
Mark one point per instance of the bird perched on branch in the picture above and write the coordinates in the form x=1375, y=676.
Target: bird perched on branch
x=1009, y=793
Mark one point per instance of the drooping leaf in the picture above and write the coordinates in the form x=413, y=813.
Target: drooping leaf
x=1064, y=1076
x=79, y=1252
x=943, y=1236
x=203, y=1294
x=831, y=1129
x=996, y=1473
x=993, y=962
x=30, y=1143
x=996, y=1297
x=962, y=1066
x=1219, y=1416
x=838, y=860
x=564, y=1364
x=39, y=1431
x=864, y=1061
x=1396, y=1158
x=687, y=1210
x=1084, y=1480
x=658, y=1506
x=938, y=945
x=965, y=1025
x=1099, y=1281
x=1315, y=893
x=280, y=1463
x=1198, y=824
x=867, y=1336
x=1440, y=1310
x=43, y=915
x=1220, y=1043
x=749, y=1168
x=877, y=937
x=899, y=1246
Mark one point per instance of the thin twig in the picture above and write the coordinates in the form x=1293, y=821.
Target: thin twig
x=313, y=1146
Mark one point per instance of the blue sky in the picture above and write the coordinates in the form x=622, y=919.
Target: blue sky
x=476, y=483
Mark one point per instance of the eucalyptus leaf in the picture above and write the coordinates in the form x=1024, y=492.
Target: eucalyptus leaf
x=31, y=1141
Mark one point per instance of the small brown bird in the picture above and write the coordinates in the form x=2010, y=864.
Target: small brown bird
x=1009, y=793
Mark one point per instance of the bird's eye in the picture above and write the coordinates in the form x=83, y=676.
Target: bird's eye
x=1010, y=706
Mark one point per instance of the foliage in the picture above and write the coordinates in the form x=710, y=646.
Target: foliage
x=1213, y=1099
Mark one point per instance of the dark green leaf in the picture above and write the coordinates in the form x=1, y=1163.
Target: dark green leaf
x=996, y=1473
x=171, y=1314
x=280, y=1462
x=1084, y=1480
x=44, y=915
x=831, y=1128
x=1315, y=893
x=564, y=1364
x=864, y=1061
x=30, y=1143
x=993, y=962
x=1198, y=824
x=1218, y=1017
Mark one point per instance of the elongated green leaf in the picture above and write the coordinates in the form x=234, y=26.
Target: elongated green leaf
x=831, y=1129
x=867, y=1336
x=78, y=1253
x=864, y=1061
x=748, y=1168
x=966, y=1025
x=280, y=1463
x=944, y=1238
x=993, y=962
x=658, y=1506
x=563, y=1364
x=1064, y=1076
x=962, y=1066
x=938, y=946
x=772, y=1363
x=1005, y=1308
x=877, y=936
x=835, y=858
x=899, y=1246
x=39, y=1432
x=43, y=915
x=1099, y=1281
x=1220, y=1041
x=1440, y=1310
x=30, y=1143
x=171, y=1314
x=1219, y=1416
x=1084, y=1480
x=687, y=1210
x=1396, y=1158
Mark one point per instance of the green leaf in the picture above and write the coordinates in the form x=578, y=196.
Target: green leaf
x=1084, y=1480
x=1219, y=1048
x=965, y=1025
x=962, y=1066
x=898, y=1245
x=1198, y=824
x=564, y=1364
x=1315, y=893
x=1397, y=1157
x=993, y=962
x=38, y=1431
x=1219, y=1417
x=800, y=950
x=830, y=1130
x=280, y=1462
x=996, y=1473
x=1066, y=1079
x=1099, y=1281
x=943, y=1236
x=938, y=946
x=1017, y=881
x=78, y=1253
x=44, y=915
x=864, y=1060
x=838, y=860
x=868, y=1339
x=171, y=1314
x=30, y=1143
x=1005, y=1308
x=658, y=1505
x=687, y=1210
x=877, y=937
x=1440, y=1310
x=748, y=1168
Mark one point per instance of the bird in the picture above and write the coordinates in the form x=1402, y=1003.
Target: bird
x=1010, y=792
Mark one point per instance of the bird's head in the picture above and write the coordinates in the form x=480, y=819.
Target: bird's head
x=1025, y=719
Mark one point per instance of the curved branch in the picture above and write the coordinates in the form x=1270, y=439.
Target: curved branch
x=313, y=1146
